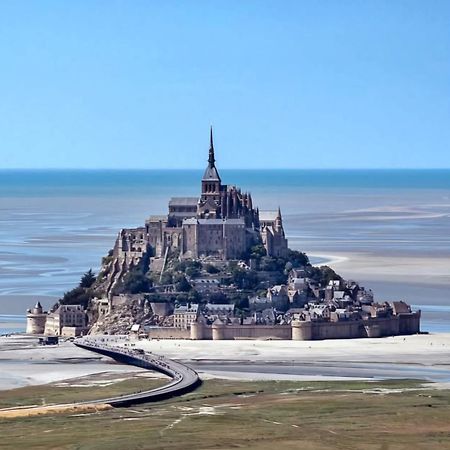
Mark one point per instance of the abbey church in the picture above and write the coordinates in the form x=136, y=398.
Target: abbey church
x=222, y=224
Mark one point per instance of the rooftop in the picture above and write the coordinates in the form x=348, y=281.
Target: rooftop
x=183, y=201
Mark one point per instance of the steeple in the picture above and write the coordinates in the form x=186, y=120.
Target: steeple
x=279, y=221
x=211, y=173
x=211, y=158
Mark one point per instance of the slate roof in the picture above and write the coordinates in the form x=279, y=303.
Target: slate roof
x=221, y=221
x=211, y=173
x=183, y=201
x=191, y=221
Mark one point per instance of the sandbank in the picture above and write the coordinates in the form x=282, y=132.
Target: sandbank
x=408, y=269
x=424, y=357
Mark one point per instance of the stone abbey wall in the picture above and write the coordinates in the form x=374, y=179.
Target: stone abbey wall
x=298, y=331
x=200, y=331
x=377, y=327
x=252, y=332
x=169, y=333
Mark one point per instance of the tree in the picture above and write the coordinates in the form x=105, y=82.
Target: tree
x=244, y=279
x=166, y=278
x=297, y=259
x=269, y=264
x=192, y=271
x=134, y=282
x=211, y=269
x=77, y=296
x=258, y=251
x=88, y=279
x=194, y=296
x=182, y=285
x=241, y=303
x=328, y=274
x=218, y=298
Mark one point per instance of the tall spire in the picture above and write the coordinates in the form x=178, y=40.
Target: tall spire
x=211, y=173
x=211, y=158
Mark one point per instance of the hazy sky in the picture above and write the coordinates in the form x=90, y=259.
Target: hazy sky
x=126, y=84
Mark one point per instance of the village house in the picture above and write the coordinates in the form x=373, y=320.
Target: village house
x=185, y=315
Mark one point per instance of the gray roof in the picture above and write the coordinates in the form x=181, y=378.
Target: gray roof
x=192, y=308
x=191, y=221
x=183, y=201
x=211, y=173
x=183, y=214
x=157, y=219
x=219, y=307
x=221, y=221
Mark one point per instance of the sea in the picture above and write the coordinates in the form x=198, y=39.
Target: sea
x=56, y=224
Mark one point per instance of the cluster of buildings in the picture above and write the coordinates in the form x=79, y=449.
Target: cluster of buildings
x=66, y=320
x=300, y=310
x=220, y=225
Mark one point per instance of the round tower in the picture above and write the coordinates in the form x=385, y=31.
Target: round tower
x=301, y=331
x=36, y=318
x=218, y=330
x=197, y=329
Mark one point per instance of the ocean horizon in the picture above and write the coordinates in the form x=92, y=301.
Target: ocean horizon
x=70, y=181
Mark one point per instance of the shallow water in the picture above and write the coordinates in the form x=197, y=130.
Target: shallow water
x=11, y=323
x=54, y=225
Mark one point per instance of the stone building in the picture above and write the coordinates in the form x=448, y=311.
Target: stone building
x=221, y=223
x=272, y=233
x=184, y=315
x=36, y=318
x=67, y=320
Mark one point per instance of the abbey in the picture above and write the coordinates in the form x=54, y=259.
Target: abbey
x=221, y=223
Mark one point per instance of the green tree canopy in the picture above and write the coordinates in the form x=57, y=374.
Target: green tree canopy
x=88, y=279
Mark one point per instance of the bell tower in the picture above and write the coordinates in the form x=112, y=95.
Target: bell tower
x=211, y=181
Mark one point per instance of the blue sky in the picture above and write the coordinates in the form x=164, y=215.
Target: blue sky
x=298, y=84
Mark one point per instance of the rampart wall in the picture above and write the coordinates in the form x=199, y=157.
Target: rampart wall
x=298, y=331
x=169, y=333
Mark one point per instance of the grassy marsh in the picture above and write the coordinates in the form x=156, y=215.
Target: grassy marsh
x=223, y=414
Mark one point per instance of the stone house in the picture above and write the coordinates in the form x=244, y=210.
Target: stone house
x=185, y=315
x=67, y=320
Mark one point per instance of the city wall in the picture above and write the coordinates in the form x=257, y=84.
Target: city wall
x=228, y=332
x=298, y=331
x=376, y=327
x=169, y=333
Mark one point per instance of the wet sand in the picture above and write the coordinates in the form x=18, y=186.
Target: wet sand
x=423, y=270
x=425, y=357
x=24, y=363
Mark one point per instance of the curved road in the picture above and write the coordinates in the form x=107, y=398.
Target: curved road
x=184, y=379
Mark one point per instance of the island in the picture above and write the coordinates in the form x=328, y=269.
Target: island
x=217, y=267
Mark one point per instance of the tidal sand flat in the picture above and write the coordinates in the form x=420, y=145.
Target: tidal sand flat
x=419, y=356
x=425, y=357
x=23, y=363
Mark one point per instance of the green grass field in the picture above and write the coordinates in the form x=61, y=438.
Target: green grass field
x=84, y=388
x=390, y=415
